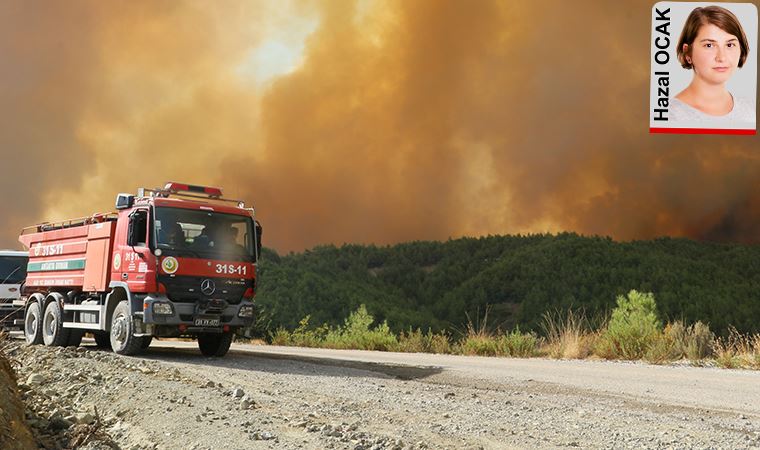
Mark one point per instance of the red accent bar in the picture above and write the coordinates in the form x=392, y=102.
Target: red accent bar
x=172, y=186
x=212, y=191
x=702, y=131
x=177, y=187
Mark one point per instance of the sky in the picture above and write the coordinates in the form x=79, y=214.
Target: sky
x=361, y=121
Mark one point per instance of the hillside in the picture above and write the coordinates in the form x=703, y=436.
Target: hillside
x=438, y=284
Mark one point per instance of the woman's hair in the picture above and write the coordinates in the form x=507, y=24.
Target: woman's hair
x=715, y=15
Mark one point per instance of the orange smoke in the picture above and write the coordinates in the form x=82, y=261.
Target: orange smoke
x=399, y=121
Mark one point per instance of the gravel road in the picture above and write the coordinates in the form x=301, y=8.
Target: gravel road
x=276, y=397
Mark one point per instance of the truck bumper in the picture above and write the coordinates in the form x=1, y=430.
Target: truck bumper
x=10, y=313
x=199, y=317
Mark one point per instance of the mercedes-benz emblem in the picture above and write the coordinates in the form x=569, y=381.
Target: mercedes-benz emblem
x=208, y=287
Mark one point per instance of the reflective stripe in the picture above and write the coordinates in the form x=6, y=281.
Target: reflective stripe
x=52, y=266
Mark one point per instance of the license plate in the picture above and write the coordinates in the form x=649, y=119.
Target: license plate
x=207, y=322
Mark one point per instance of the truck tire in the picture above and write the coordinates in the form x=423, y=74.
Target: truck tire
x=75, y=338
x=33, y=324
x=102, y=339
x=53, y=333
x=123, y=339
x=214, y=344
x=146, y=340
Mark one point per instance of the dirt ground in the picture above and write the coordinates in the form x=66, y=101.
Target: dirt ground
x=173, y=398
x=14, y=433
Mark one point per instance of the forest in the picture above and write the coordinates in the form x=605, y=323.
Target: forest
x=518, y=278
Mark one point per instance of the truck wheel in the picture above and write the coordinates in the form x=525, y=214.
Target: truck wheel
x=123, y=340
x=214, y=344
x=75, y=338
x=102, y=339
x=33, y=324
x=146, y=340
x=53, y=333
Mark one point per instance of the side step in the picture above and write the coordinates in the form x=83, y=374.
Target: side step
x=89, y=310
x=82, y=308
x=83, y=326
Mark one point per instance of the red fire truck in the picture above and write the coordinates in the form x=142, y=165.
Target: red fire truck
x=177, y=261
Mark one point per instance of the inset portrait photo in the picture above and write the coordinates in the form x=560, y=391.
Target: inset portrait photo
x=704, y=68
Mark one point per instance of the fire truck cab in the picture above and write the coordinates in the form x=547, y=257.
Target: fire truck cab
x=171, y=262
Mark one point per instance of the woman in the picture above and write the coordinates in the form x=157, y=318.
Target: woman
x=714, y=45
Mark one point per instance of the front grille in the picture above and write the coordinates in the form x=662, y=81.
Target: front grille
x=185, y=289
x=189, y=318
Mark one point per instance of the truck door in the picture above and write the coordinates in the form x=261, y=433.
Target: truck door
x=136, y=264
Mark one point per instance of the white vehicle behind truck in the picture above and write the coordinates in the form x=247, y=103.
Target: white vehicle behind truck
x=12, y=275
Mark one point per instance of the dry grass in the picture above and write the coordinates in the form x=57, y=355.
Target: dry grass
x=479, y=340
x=699, y=342
x=668, y=345
x=738, y=350
x=634, y=333
x=567, y=336
x=415, y=341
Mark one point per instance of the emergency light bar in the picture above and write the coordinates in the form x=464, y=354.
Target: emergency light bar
x=176, y=188
x=188, y=190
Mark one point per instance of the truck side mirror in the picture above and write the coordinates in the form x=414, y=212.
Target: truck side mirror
x=124, y=201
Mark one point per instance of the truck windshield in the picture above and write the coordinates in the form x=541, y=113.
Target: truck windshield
x=12, y=269
x=204, y=233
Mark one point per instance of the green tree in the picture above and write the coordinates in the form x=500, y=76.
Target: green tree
x=633, y=327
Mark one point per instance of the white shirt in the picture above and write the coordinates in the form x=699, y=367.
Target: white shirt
x=743, y=112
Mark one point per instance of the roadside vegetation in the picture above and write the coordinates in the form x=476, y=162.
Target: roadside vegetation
x=437, y=285
x=633, y=331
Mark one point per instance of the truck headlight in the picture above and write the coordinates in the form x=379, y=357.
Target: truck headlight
x=246, y=311
x=163, y=309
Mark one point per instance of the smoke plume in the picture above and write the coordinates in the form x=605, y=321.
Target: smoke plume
x=398, y=120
